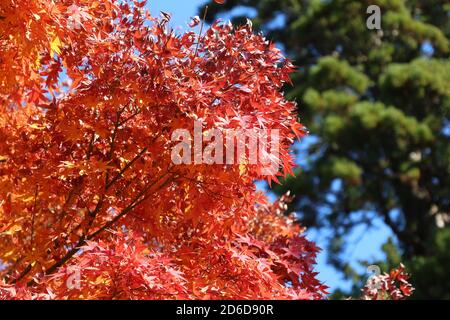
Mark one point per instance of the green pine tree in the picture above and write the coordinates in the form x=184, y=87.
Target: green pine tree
x=377, y=104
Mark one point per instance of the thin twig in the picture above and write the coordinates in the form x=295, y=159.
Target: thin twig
x=201, y=30
x=23, y=273
x=91, y=146
x=33, y=214
x=127, y=166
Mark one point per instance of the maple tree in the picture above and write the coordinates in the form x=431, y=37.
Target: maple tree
x=90, y=94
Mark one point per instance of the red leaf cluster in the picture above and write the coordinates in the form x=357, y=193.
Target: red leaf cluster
x=389, y=286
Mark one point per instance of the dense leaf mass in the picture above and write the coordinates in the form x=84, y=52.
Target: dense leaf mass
x=90, y=94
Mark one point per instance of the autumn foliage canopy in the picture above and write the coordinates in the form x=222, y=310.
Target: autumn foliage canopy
x=90, y=93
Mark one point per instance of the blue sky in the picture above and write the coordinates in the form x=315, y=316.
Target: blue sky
x=365, y=244
x=181, y=10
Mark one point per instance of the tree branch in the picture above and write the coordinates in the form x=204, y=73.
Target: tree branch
x=136, y=201
x=127, y=166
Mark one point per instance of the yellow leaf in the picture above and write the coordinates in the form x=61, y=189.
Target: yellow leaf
x=100, y=280
x=55, y=46
x=242, y=169
x=37, y=63
x=15, y=228
x=28, y=199
x=36, y=126
x=67, y=164
x=9, y=253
